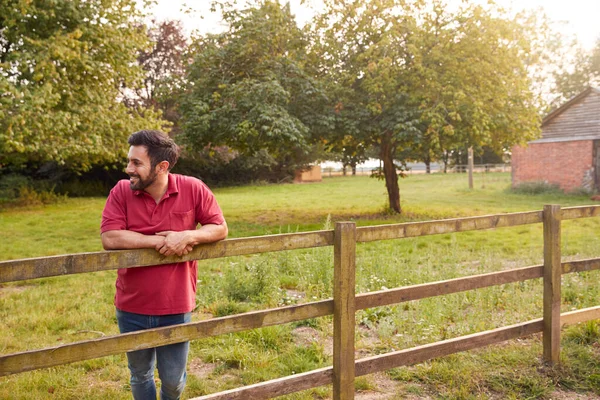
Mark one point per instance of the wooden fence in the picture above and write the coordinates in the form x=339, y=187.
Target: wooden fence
x=343, y=306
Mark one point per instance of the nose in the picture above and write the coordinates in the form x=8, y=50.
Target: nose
x=129, y=168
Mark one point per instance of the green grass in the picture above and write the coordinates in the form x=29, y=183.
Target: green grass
x=52, y=311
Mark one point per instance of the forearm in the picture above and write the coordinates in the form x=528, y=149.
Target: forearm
x=208, y=234
x=123, y=239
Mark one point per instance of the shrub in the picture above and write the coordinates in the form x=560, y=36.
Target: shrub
x=536, y=188
x=21, y=191
x=84, y=188
x=11, y=184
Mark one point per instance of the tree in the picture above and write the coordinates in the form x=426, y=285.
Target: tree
x=418, y=80
x=61, y=66
x=584, y=71
x=249, y=89
x=482, y=97
x=164, y=64
x=362, y=50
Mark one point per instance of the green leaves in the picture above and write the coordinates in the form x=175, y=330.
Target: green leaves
x=250, y=88
x=62, y=64
x=575, y=77
x=421, y=80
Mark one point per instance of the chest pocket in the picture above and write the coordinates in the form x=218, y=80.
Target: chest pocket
x=181, y=221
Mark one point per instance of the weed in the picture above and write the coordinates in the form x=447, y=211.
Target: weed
x=254, y=282
x=225, y=307
x=586, y=333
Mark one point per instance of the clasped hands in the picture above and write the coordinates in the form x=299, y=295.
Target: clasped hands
x=178, y=243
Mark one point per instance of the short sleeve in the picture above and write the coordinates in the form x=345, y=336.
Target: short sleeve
x=114, y=215
x=207, y=208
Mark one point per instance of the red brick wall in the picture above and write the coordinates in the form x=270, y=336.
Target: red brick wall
x=567, y=164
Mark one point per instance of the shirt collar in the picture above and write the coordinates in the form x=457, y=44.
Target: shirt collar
x=172, y=187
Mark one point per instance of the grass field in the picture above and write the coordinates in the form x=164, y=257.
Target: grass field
x=53, y=311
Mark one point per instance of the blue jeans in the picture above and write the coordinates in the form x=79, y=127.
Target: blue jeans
x=170, y=360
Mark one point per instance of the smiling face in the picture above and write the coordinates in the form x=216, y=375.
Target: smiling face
x=139, y=168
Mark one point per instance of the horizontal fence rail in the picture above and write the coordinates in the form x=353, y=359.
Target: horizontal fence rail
x=111, y=345
x=415, y=355
x=343, y=242
x=43, y=267
x=415, y=229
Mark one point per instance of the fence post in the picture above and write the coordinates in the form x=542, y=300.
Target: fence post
x=470, y=166
x=552, y=282
x=344, y=310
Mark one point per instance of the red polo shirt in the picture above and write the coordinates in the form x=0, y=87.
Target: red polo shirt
x=169, y=288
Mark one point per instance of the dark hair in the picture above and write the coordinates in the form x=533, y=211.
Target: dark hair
x=159, y=145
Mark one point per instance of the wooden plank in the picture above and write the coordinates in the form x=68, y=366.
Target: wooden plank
x=275, y=387
x=589, y=264
x=577, y=316
x=404, y=357
x=552, y=281
x=580, y=212
x=14, y=363
x=31, y=268
x=344, y=311
x=64, y=354
x=426, y=352
x=416, y=292
x=414, y=229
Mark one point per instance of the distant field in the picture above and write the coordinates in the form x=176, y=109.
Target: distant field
x=59, y=310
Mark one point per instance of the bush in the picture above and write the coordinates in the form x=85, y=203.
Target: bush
x=84, y=188
x=224, y=167
x=21, y=191
x=536, y=188
x=11, y=184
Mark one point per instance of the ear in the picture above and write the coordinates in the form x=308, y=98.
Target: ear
x=162, y=167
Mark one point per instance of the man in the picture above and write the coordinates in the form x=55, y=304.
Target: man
x=160, y=210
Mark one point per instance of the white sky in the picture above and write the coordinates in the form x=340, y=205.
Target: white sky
x=580, y=17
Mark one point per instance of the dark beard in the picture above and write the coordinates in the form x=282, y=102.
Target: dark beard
x=142, y=183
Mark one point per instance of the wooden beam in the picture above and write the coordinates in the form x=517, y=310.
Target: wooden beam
x=35, y=359
x=415, y=229
x=68, y=353
x=406, y=357
x=580, y=212
x=426, y=352
x=577, y=316
x=32, y=268
x=552, y=281
x=275, y=387
x=344, y=310
x=422, y=291
x=589, y=264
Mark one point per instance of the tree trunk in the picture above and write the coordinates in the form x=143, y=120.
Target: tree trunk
x=445, y=160
x=353, y=165
x=391, y=176
x=428, y=165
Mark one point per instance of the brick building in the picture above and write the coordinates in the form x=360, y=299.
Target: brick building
x=568, y=153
